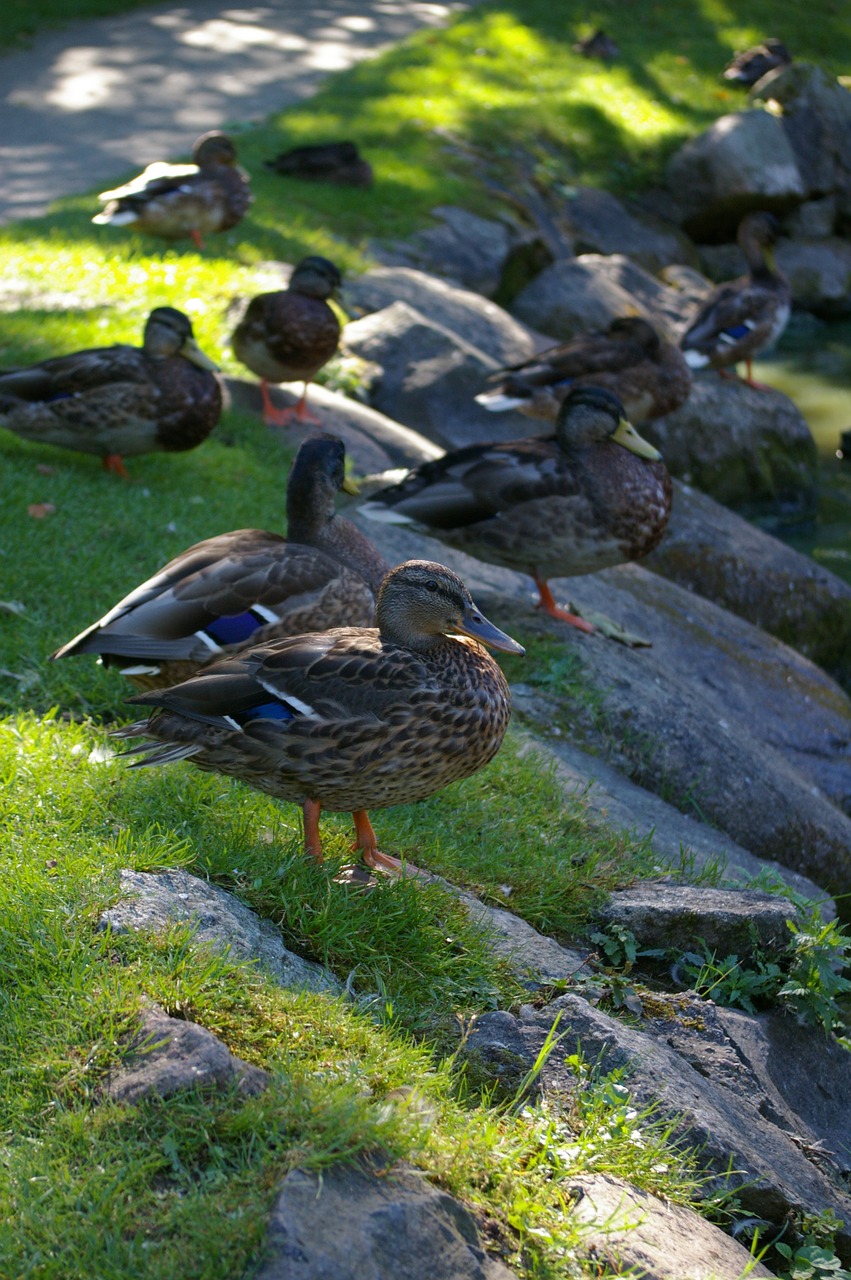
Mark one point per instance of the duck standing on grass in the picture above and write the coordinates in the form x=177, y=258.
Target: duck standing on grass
x=118, y=402
x=593, y=495
x=746, y=316
x=349, y=719
x=174, y=201
x=650, y=377
x=288, y=335
x=247, y=587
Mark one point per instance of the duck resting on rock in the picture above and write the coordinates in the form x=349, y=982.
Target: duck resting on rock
x=174, y=201
x=350, y=719
x=750, y=65
x=121, y=401
x=289, y=334
x=593, y=495
x=743, y=317
x=246, y=587
x=648, y=375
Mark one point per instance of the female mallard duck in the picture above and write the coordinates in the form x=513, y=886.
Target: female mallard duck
x=350, y=719
x=288, y=335
x=593, y=495
x=752, y=64
x=178, y=200
x=246, y=587
x=743, y=317
x=650, y=377
x=338, y=162
x=117, y=402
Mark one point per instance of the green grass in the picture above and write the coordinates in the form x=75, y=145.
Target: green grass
x=22, y=20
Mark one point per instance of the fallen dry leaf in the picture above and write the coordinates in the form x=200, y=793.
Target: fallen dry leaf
x=38, y=510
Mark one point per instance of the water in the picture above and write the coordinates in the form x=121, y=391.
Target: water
x=812, y=365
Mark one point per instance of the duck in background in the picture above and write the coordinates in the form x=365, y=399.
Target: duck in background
x=121, y=401
x=174, y=201
x=593, y=495
x=746, y=316
x=597, y=45
x=337, y=162
x=752, y=64
x=289, y=334
x=350, y=719
x=248, y=586
x=648, y=375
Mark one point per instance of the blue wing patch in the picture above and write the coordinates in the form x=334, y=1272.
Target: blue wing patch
x=235, y=629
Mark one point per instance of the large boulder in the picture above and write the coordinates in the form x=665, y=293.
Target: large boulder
x=741, y=162
x=751, y=450
x=815, y=113
x=818, y=270
x=597, y=222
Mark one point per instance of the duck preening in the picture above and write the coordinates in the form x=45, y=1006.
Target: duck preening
x=743, y=317
x=593, y=495
x=349, y=719
x=289, y=334
x=121, y=401
x=174, y=201
x=247, y=586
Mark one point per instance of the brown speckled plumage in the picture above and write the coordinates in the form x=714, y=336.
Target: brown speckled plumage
x=288, y=335
x=591, y=496
x=174, y=201
x=324, y=574
x=371, y=717
x=119, y=401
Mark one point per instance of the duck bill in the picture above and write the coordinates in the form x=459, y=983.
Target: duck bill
x=627, y=435
x=193, y=352
x=351, y=486
x=476, y=625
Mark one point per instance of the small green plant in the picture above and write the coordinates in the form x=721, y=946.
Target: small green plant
x=813, y=1257
x=728, y=980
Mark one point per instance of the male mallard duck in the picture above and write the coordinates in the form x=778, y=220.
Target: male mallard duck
x=339, y=162
x=177, y=200
x=743, y=317
x=288, y=335
x=247, y=587
x=650, y=377
x=117, y=402
x=752, y=64
x=350, y=719
x=593, y=495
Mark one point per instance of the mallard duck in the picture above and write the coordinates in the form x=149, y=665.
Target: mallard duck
x=178, y=200
x=593, y=495
x=752, y=64
x=246, y=587
x=597, y=45
x=743, y=317
x=338, y=162
x=650, y=377
x=117, y=402
x=288, y=335
x=349, y=719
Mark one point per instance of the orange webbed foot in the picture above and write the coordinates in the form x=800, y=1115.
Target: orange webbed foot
x=549, y=606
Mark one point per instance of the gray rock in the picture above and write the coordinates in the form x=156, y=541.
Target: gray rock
x=743, y=161
x=473, y=318
x=701, y=1085
x=158, y=900
x=166, y=1056
x=629, y=1228
x=726, y=920
x=816, y=119
x=751, y=450
x=819, y=274
x=347, y=1223
x=812, y=220
x=714, y=552
x=531, y=955
x=430, y=377
x=599, y=223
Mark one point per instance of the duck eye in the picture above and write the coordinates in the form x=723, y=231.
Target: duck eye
x=431, y=585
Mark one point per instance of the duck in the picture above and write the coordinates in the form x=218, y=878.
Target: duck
x=289, y=334
x=743, y=317
x=750, y=65
x=338, y=162
x=597, y=45
x=351, y=719
x=248, y=586
x=175, y=201
x=592, y=495
x=121, y=401
x=649, y=376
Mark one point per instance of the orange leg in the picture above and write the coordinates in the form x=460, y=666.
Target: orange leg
x=275, y=417
x=196, y=239
x=312, y=843
x=367, y=844
x=114, y=462
x=548, y=604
